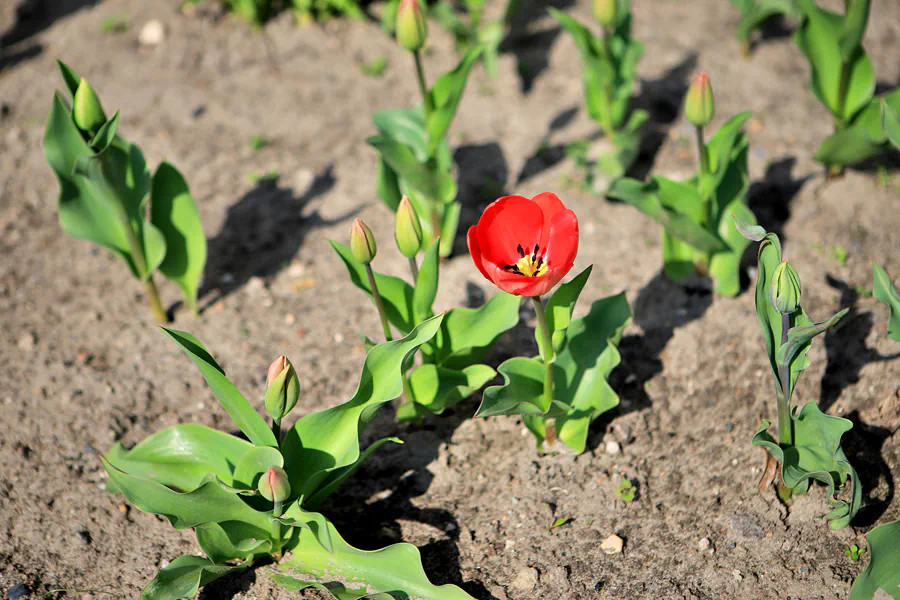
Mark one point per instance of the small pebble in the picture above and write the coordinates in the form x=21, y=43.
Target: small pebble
x=526, y=580
x=20, y=590
x=152, y=33
x=612, y=545
x=613, y=447
x=703, y=544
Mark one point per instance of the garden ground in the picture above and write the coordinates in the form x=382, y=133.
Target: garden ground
x=82, y=365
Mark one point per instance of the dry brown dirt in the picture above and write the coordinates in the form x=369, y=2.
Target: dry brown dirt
x=82, y=366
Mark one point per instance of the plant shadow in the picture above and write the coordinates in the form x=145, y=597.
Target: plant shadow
x=845, y=347
x=661, y=307
x=262, y=232
x=532, y=48
x=770, y=197
x=31, y=18
x=864, y=445
x=483, y=174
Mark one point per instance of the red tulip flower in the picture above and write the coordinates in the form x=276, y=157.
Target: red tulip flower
x=525, y=247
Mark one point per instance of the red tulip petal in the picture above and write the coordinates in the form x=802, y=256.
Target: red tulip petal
x=550, y=205
x=475, y=251
x=518, y=285
x=507, y=223
x=563, y=243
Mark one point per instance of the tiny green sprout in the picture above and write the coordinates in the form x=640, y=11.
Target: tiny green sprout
x=626, y=491
x=375, y=67
x=854, y=552
x=114, y=24
x=838, y=253
x=258, y=142
x=560, y=522
x=268, y=178
x=863, y=291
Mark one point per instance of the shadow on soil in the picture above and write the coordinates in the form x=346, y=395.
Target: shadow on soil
x=661, y=97
x=770, y=197
x=263, y=231
x=32, y=17
x=845, y=347
x=483, y=174
x=864, y=447
x=532, y=48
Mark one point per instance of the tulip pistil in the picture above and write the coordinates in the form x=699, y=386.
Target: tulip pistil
x=529, y=265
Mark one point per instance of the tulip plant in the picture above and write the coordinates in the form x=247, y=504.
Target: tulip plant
x=451, y=366
x=843, y=79
x=699, y=235
x=755, y=12
x=415, y=158
x=470, y=31
x=609, y=69
x=525, y=247
x=884, y=291
x=108, y=196
x=808, y=446
x=254, y=501
x=882, y=573
x=258, y=12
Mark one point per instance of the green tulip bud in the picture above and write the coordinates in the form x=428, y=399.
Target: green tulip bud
x=784, y=289
x=274, y=485
x=606, y=12
x=362, y=242
x=407, y=229
x=699, y=105
x=86, y=108
x=282, y=388
x=412, y=30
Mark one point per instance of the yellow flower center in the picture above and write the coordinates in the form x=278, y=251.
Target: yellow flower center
x=529, y=265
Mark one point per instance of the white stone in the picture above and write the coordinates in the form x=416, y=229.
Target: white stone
x=152, y=33
x=612, y=545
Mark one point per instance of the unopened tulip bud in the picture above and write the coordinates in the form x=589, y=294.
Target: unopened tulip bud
x=282, y=388
x=274, y=485
x=408, y=229
x=362, y=242
x=606, y=12
x=411, y=27
x=784, y=289
x=699, y=105
x=86, y=108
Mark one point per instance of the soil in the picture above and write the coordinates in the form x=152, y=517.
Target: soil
x=82, y=365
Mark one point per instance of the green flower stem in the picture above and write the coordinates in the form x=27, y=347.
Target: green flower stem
x=423, y=87
x=703, y=161
x=785, y=425
x=379, y=304
x=546, y=346
x=414, y=269
x=276, y=429
x=276, y=527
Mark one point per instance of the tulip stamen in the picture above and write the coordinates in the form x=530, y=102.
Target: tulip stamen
x=528, y=265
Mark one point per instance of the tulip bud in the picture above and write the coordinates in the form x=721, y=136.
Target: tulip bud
x=606, y=12
x=362, y=242
x=699, y=105
x=407, y=229
x=784, y=289
x=86, y=108
x=282, y=388
x=274, y=485
x=411, y=27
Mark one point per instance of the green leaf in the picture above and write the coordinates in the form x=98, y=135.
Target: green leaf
x=427, y=284
x=174, y=213
x=800, y=337
x=325, y=441
x=253, y=464
x=105, y=135
x=449, y=226
x=446, y=94
x=338, y=476
x=438, y=388
x=725, y=148
x=427, y=178
x=212, y=502
x=749, y=229
x=816, y=454
x=388, y=185
x=243, y=414
x=335, y=589
x=522, y=391
x=854, y=28
x=396, y=294
x=405, y=126
x=728, y=200
x=314, y=522
x=184, y=576
x=561, y=304
x=467, y=334
x=672, y=205
x=394, y=570
x=882, y=572
x=587, y=356
x=70, y=77
x=860, y=84
x=818, y=37
x=181, y=456
x=231, y=541
x=848, y=147
x=884, y=291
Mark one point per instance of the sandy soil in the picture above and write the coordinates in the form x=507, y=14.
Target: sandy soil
x=82, y=365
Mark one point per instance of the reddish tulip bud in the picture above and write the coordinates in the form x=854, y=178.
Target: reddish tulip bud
x=606, y=12
x=282, y=388
x=362, y=242
x=274, y=485
x=412, y=30
x=86, y=108
x=408, y=229
x=699, y=105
